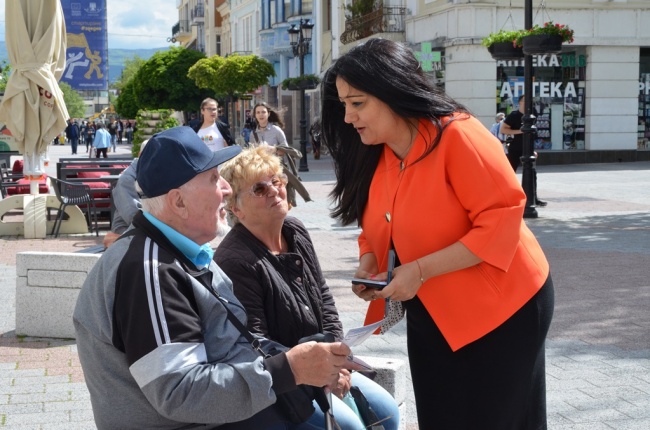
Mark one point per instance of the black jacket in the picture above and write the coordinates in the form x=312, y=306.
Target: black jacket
x=223, y=129
x=286, y=296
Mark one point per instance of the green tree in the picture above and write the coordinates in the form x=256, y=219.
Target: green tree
x=73, y=101
x=127, y=104
x=4, y=76
x=231, y=76
x=162, y=82
x=131, y=67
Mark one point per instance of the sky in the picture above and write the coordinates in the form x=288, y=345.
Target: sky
x=132, y=24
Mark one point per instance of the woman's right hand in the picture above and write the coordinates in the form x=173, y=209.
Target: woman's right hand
x=367, y=270
x=366, y=293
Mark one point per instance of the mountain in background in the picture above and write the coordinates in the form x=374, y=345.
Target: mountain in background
x=116, y=58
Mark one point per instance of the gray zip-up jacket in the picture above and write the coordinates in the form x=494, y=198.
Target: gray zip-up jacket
x=156, y=347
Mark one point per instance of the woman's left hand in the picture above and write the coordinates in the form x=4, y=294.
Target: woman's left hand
x=405, y=284
x=343, y=385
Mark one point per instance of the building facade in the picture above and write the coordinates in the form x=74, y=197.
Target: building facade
x=592, y=99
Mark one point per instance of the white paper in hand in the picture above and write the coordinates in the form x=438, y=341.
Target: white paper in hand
x=356, y=336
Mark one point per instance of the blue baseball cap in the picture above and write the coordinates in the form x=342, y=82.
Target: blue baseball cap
x=175, y=156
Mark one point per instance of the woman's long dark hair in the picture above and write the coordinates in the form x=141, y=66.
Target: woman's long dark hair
x=390, y=72
x=274, y=115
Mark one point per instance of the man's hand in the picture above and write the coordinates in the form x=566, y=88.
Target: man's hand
x=343, y=384
x=319, y=364
x=110, y=238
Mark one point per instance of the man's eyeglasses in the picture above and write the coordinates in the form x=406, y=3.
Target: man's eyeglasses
x=262, y=188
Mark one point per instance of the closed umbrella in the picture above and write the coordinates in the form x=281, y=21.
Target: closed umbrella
x=33, y=108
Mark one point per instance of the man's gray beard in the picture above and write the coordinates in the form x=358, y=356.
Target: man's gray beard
x=222, y=229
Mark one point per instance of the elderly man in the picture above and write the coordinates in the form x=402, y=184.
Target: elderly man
x=154, y=335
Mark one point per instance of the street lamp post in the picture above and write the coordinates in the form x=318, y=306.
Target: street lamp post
x=300, y=38
x=528, y=127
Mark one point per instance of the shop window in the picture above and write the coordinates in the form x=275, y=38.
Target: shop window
x=558, y=97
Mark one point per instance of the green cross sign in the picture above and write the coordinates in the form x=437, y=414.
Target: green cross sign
x=426, y=57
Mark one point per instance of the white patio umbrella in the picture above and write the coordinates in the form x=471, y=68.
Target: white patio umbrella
x=33, y=108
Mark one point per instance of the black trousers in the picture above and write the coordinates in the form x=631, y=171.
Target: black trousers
x=496, y=382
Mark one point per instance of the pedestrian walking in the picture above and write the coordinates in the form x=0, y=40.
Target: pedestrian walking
x=102, y=141
x=72, y=133
x=215, y=133
x=129, y=133
x=90, y=135
x=112, y=131
x=268, y=131
x=315, y=134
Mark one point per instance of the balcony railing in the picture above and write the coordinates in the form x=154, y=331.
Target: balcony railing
x=182, y=26
x=197, y=13
x=382, y=20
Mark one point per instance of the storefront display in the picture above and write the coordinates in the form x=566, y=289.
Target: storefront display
x=558, y=97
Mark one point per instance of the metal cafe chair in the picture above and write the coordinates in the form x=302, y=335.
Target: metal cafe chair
x=7, y=180
x=69, y=193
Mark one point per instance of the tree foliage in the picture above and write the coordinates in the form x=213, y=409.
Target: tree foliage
x=127, y=104
x=4, y=76
x=162, y=82
x=73, y=101
x=131, y=67
x=231, y=76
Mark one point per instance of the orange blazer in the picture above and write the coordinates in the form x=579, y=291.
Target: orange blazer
x=465, y=190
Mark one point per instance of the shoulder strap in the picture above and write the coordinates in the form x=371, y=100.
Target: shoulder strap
x=255, y=343
x=127, y=233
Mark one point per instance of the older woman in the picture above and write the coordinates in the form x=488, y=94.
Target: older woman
x=276, y=275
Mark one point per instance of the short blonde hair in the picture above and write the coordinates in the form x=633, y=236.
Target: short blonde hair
x=248, y=166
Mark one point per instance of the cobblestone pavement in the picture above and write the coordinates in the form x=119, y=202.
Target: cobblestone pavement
x=595, y=231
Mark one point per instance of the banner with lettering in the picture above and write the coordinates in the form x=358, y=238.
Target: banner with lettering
x=87, y=52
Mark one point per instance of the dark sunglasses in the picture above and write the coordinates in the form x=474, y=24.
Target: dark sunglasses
x=262, y=188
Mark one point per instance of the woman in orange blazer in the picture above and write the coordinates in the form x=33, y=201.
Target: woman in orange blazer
x=421, y=175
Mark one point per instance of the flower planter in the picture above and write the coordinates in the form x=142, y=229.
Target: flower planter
x=542, y=44
x=505, y=51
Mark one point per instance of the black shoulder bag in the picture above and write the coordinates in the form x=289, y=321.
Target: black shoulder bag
x=296, y=405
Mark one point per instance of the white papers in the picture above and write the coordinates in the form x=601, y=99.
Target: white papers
x=356, y=336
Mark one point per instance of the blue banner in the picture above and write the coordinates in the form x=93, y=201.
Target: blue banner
x=87, y=52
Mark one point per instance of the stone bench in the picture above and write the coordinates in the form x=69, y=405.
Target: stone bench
x=47, y=286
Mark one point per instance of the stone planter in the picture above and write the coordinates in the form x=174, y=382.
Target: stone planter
x=505, y=51
x=542, y=44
